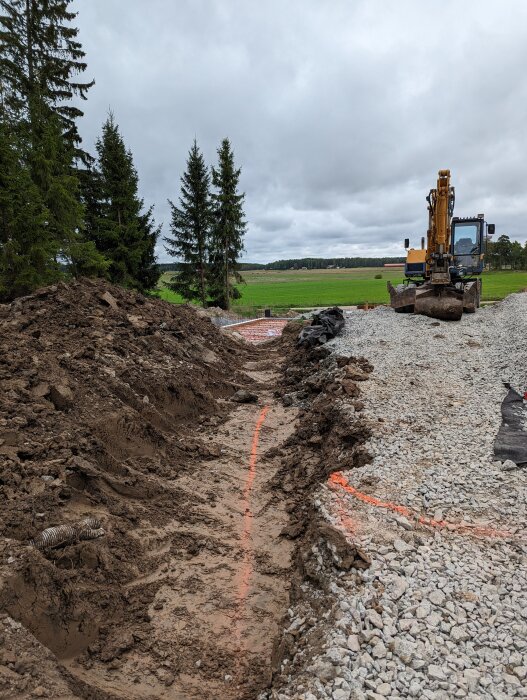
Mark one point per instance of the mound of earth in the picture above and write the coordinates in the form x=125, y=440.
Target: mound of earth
x=116, y=410
x=104, y=398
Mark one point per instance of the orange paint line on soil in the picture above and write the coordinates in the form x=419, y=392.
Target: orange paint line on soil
x=246, y=544
x=337, y=479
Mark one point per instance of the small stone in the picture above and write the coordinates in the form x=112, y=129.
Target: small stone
x=165, y=676
x=433, y=619
x=403, y=522
x=422, y=612
x=510, y=679
x=353, y=642
x=401, y=546
x=109, y=300
x=437, y=597
x=471, y=676
x=415, y=689
x=357, y=694
x=244, y=396
x=403, y=649
x=384, y=689
x=61, y=396
x=458, y=634
x=40, y=692
x=379, y=651
x=40, y=390
x=508, y=465
x=436, y=673
x=375, y=619
x=340, y=694
x=137, y=322
x=397, y=588
x=521, y=672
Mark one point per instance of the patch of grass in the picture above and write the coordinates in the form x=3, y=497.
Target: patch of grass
x=277, y=289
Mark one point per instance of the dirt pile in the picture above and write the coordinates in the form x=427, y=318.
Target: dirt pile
x=105, y=396
x=188, y=524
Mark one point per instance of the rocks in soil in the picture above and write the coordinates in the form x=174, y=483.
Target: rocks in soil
x=244, y=396
x=61, y=396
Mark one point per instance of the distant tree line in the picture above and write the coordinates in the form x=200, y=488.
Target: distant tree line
x=305, y=263
x=322, y=263
x=504, y=253
x=63, y=212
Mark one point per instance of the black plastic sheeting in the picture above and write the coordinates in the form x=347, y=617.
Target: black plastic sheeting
x=326, y=324
x=511, y=440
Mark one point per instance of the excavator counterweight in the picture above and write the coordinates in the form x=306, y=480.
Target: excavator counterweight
x=442, y=280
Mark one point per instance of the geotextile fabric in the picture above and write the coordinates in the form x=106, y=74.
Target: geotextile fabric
x=511, y=440
x=326, y=324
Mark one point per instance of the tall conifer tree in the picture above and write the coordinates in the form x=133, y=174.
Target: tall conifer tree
x=190, y=229
x=39, y=61
x=115, y=219
x=40, y=58
x=228, y=229
x=28, y=250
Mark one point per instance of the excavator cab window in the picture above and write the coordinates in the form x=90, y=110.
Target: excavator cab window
x=467, y=243
x=466, y=238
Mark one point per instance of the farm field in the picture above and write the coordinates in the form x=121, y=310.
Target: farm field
x=283, y=289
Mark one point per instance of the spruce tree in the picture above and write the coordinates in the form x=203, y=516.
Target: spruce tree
x=115, y=222
x=28, y=249
x=228, y=229
x=190, y=228
x=40, y=58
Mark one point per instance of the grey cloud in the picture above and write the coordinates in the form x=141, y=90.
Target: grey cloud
x=340, y=113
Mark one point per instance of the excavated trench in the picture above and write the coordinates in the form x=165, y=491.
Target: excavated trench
x=210, y=532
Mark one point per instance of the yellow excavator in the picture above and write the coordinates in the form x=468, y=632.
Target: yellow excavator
x=442, y=280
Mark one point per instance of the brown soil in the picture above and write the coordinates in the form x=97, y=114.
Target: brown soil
x=116, y=406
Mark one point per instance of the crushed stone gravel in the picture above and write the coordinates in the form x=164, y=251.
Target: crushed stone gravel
x=440, y=613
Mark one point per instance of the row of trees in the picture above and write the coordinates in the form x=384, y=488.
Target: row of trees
x=506, y=253
x=207, y=230
x=61, y=211
x=65, y=212
x=323, y=263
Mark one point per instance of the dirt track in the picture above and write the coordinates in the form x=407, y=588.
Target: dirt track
x=118, y=407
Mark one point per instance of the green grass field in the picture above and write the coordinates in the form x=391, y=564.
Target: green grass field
x=277, y=289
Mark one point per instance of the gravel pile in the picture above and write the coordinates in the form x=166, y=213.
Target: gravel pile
x=441, y=613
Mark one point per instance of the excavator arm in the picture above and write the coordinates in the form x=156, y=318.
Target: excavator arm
x=440, y=211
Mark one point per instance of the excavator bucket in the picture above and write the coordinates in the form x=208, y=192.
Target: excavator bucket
x=471, y=297
x=402, y=298
x=444, y=303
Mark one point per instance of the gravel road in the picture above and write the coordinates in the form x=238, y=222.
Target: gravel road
x=442, y=611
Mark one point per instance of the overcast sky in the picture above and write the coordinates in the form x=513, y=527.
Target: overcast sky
x=340, y=112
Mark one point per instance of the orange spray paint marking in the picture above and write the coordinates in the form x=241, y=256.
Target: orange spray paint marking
x=246, y=545
x=337, y=479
